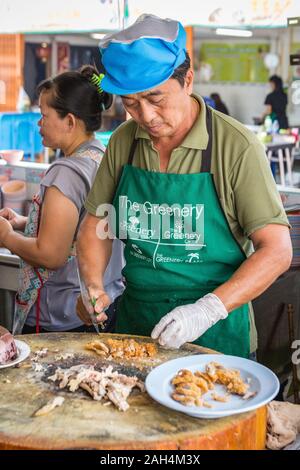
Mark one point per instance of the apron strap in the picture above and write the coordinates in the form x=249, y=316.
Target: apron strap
x=206, y=154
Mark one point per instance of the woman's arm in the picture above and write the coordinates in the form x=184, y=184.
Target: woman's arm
x=94, y=252
x=59, y=219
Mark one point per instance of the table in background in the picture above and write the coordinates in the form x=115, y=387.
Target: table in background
x=9, y=281
x=82, y=423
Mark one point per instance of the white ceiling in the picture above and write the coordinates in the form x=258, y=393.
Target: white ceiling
x=209, y=33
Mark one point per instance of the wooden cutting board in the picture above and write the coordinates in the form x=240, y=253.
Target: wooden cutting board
x=82, y=423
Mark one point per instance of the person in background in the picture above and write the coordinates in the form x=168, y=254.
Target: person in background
x=276, y=103
x=71, y=105
x=178, y=179
x=219, y=105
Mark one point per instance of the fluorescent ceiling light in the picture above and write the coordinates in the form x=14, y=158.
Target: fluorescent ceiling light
x=97, y=35
x=234, y=32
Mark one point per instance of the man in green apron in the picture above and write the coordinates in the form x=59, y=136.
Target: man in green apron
x=189, y=191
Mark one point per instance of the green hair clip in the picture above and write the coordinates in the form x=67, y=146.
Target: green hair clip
x=96, y=80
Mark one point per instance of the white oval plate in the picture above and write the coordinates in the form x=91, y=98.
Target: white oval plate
x=23, y=352
x=262, y=381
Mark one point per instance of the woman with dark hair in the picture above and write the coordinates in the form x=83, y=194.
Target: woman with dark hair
x=276, y=102
x=71, y=106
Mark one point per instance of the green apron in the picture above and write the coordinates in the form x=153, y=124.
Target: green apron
x=178, y=248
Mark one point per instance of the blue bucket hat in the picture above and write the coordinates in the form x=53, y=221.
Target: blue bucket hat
x=142, y=56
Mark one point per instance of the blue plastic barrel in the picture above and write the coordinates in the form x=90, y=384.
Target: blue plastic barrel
x=21, y=131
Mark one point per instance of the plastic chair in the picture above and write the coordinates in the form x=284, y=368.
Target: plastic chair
x=282, y=154
x=21, y=131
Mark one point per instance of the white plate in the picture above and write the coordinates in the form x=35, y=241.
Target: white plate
x=262, y=380
x=23, y=352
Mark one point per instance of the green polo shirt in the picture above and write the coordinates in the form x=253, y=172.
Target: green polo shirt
x=243, y=180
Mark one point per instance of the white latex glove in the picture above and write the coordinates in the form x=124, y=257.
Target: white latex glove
x=189, y=322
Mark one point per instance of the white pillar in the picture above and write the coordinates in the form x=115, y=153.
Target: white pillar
x=285, y=43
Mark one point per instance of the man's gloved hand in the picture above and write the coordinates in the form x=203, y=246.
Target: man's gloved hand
x=189, y=322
